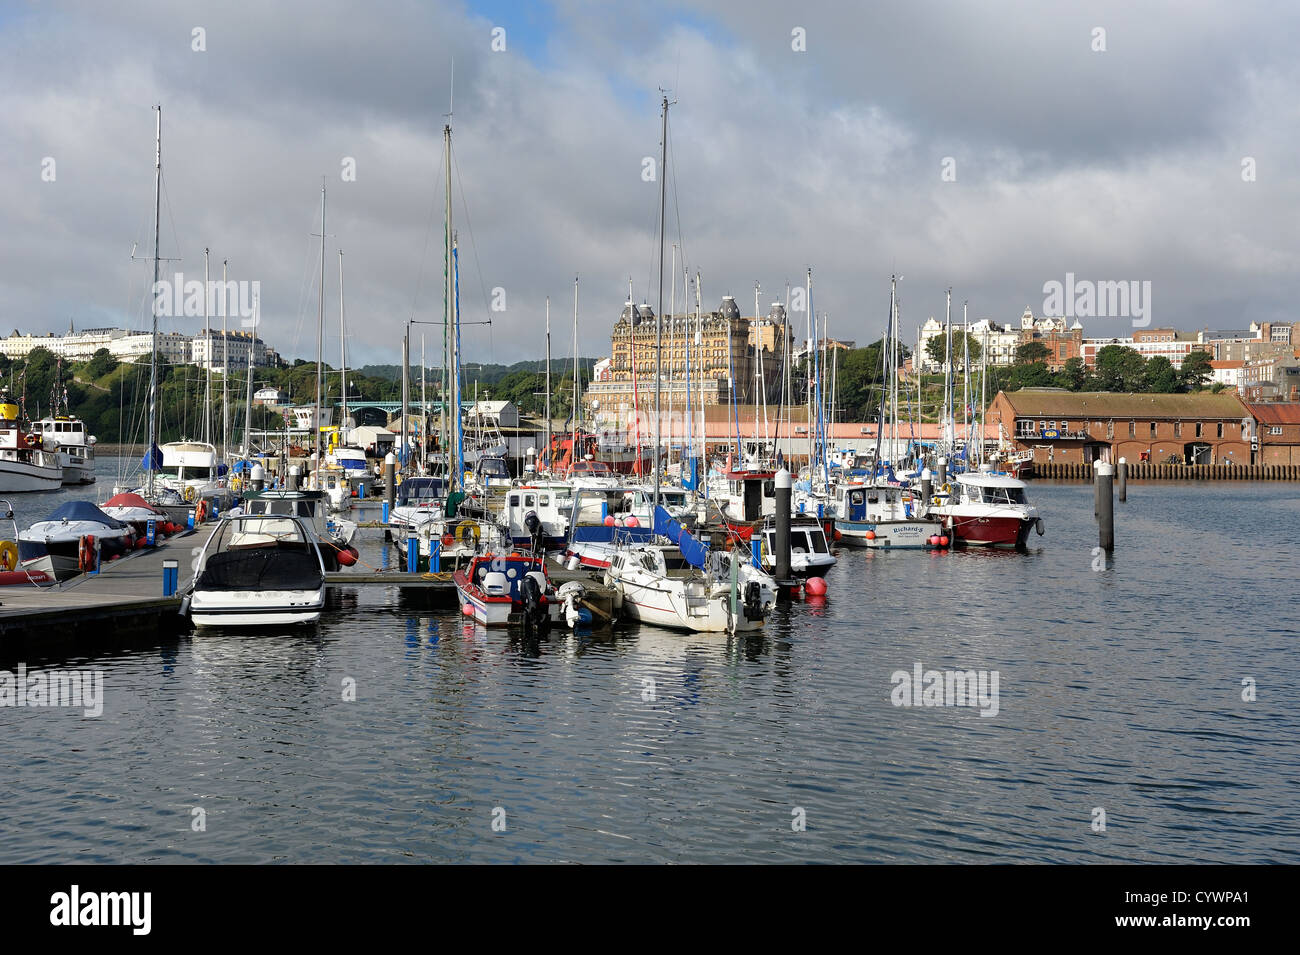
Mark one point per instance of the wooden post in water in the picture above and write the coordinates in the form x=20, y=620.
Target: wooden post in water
x=1123, y=479
x=1105, y=506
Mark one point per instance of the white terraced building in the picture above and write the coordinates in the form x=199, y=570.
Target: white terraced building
x=173, y=347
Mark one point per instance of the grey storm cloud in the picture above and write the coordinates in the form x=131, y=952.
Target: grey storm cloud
x=1122, y=164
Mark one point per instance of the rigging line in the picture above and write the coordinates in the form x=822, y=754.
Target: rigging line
x=424, y=253
x=167, y=201
x=677, y=211
x=469, y=226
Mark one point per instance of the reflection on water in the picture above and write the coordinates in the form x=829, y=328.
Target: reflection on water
x=397, y=731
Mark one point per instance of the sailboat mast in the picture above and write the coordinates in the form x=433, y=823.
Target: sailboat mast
x=248, y=387
x=808, y=360
x=225, y=362
x=965, y=377
x=343, y=355
x=699, y=351
x=320, y=335
x=153, y=357
x=549, y=462
x=672, y=345
x=451, y=390
x=659, y=314
x=207, y=352
x=573, y=448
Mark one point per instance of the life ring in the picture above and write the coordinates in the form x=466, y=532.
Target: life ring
x=947, y=489
x=467, y=530
x=8, y=555
x=189, y=493
x=86, y=553
x=235, y=484
x=201, y=511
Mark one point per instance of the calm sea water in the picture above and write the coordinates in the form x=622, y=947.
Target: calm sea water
x=1119, y=689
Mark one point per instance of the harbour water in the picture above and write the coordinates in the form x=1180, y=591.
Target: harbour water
x=1120, y=688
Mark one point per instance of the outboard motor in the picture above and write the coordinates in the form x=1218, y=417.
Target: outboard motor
x=534, y=525
x=753, y=601
x=537, y=615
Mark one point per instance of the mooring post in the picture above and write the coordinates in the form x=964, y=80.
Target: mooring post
x=258, y=477
x=927, y=489
x=784, y=490
x=942, y=471
x=412, y=555
x=295, y=473
x=1122, y=474
x=1105, y=506
x=171, y=576
x=390, y=488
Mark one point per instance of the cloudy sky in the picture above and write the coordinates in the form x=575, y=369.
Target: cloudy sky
x=1169, y=156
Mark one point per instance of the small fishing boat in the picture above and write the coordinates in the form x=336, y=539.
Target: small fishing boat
x=498, y=590
x=258, y=571
x=77, y=534
x=886, y=516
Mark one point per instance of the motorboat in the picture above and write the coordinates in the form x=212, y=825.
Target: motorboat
x=22, y=562
x=418, y=499
x=135, y=510
x=77, y=535
x=989, y=509
x=333, y=536
x=498, y=590
x=27, y=463
x=74, y=447
x=258, y=571
x=810, y=553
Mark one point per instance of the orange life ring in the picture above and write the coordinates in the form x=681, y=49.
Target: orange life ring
x=86, y=553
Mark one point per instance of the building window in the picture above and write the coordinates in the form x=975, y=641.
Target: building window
x=1110, y=430
x=1220, y=429
x=1178, y=429
x=1200, y=429
x=1153, y=429
x=1275, y=430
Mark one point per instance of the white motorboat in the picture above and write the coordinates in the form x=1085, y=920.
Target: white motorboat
x=75, y=448
x=810, y=553
x=258, y=571
x=22, y=562
x=77, y=534
x=334, y=537
x=419, y=499
x=887, y=516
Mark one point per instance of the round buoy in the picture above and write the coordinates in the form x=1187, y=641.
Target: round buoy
x=815, y=586
x=839, y=536
x=631, y=521
x=467, y=610
x=943, y=541
x=934, y=540
x=609, y=520
x=347, y=556
x=870, y=535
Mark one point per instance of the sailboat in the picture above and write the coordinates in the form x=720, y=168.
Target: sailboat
x=718, y=592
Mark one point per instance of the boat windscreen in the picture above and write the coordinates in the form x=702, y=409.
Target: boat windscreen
x=263, y=568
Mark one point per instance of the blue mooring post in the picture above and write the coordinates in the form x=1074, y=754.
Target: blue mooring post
x=189, y=520
x=435, y=557
x=384, y=512
x=171, y=577
x=756, y=550
x=412, y=555
x=150, y=532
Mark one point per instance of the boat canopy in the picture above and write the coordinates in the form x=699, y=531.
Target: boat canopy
x=131, y=500
x=71, y=511
x=695, y=552
x=984, y=479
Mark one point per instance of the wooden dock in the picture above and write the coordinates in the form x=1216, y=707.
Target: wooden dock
x=125, y=598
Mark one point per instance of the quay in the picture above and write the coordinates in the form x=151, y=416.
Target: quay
x=1149, y=471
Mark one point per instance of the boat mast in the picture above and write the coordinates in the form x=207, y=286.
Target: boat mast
x=248, y=388
x=808, y=360
x=573, y=448
x=225, y=362
x=965, y=379
x=451, y=387
x=207, y=345
x=153, y=356
x=343, y=356
x=659, y=315
x=672, y=342
x=549, y=452
x=703, y=473
x=320, y=335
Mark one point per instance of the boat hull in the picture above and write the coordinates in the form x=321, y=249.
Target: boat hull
x=18, y=477
x=975, y=531
x=889, y=535
x=265, y=608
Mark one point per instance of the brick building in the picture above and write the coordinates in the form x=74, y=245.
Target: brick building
x=1278, y=430
x=1082, y=427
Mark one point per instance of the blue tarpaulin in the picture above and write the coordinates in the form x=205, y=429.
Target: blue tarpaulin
x=696, y=553
x=82, y=511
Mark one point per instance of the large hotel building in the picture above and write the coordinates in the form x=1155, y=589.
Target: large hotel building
x=734, y=355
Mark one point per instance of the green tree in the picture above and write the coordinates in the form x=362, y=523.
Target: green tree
x=1160, y=376
x=1195, y=370
x=1073, y=374
x=937, y=348
x=1033, y=375
x=1119, y=368
x=100, y=364
x=858, y=381
x=1031, y=352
